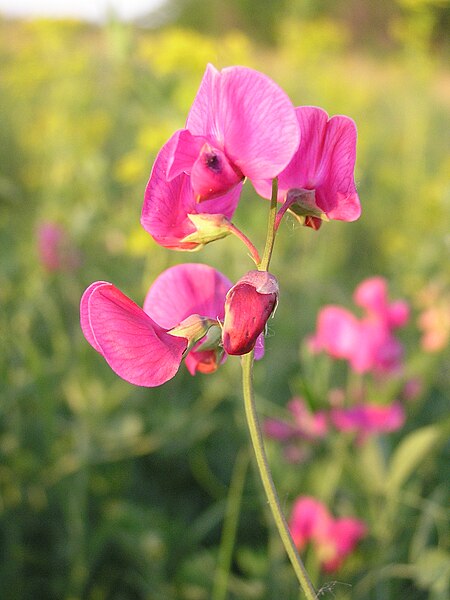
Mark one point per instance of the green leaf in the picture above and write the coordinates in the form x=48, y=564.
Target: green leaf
x=411, y=451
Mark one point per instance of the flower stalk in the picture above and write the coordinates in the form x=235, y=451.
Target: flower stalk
x=255, y=429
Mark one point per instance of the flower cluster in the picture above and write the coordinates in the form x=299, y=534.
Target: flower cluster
x=368, y=344
x=333, y=539
x=241, y=126
x=361, y=420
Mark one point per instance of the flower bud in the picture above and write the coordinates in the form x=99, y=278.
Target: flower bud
x=248, y=305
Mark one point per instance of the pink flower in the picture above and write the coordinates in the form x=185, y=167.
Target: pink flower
x=170, y=212
x=368, y=343
x=372, y=294
x=332, y=539
x=56, y=252
x=304, y=425
x=181, y=318
x=240, y=125
x=249, y=304
x=146, y=346
x=368, y=419
x=319, y=180
x=337, y=332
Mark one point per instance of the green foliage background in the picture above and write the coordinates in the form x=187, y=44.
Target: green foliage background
x=108, y=491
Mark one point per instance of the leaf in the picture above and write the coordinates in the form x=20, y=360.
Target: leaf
x=410, y=452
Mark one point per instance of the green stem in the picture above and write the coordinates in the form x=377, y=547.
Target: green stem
x=266, y=477
x=271, y=231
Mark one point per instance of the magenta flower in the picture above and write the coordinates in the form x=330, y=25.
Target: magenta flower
x=319, y=180
x=304, y=425
x=249, y=304
x=146, y=346
x=240, y=125
x=55, y=250
x=368, y=419
x=368, y=343
x=332, y=539
x=181, y=318
x=372, y=295
x=172, y=216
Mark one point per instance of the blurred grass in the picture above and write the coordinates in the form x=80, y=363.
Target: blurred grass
x=110, y=491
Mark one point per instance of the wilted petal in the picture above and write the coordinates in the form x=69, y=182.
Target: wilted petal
x=134, y=346
x=249, y=117
x=167, y=204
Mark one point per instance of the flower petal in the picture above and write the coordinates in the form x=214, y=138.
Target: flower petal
x=134, y=346
x=249, y=117
x=168, y=203
x=186, y=289
x=84, y=314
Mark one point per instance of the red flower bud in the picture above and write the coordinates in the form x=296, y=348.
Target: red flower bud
x=248, y=305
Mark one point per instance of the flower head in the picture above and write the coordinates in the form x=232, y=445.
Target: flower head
x=240, y=125
x=181, y=318
x=319, y=180
x=333, y=539
x=368, y=419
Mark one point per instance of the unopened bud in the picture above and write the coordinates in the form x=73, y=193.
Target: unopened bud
x=248, y=305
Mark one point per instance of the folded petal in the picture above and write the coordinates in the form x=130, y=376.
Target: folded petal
x=167, y=204
x=249, y=117
x=187, y=289
x=324, y=162
x=134, y=346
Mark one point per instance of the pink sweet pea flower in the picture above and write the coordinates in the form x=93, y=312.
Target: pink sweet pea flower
x=55, y=250
x=368, y=419
x=337, y=541
x=319, y=180
x=333, y=539
x=143, y=346
x=337, y=332
x=372, y=295
x=170, y=213
x=181, y=318
x=305, y=424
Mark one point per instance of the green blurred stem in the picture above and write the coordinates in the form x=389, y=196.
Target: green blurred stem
x=230, y=526
x=266, y=477
x=271, y=231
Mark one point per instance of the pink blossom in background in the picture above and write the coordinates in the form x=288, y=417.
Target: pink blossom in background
x=332, y=539
x=368, y=343
x=434, y=320
x=368, y=419
x=324, y=165
x=55, y=251
x=304, y=423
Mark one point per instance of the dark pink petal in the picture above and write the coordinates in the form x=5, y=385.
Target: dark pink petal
x=398, y=313
x=248, y=306
x=134, y=346
x=249, y=117
x=182, y=150
x=212, y=174
x=167, y=204
x=184, y=290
